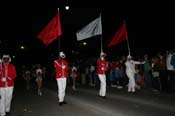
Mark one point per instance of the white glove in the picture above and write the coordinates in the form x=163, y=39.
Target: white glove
x=63, y=67
x=3, y=79
x=102, y=68
x=143, y=62
x=9, y=78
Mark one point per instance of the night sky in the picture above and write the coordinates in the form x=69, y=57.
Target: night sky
x=150, y=28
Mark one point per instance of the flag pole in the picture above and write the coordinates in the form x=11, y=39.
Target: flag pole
x=101, y=44
x=128, y=47
x=127, y=40
x=59, y=43
x=101, y=36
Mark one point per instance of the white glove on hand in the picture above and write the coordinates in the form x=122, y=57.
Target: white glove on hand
x=143, y=62
x=102, y=68
x=9, y=78
x=63, y=67
x=3, y=79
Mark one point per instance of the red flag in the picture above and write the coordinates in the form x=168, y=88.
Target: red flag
x=51, y=31
x=119, y=36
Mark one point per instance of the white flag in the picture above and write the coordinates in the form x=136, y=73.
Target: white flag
x=92, y=29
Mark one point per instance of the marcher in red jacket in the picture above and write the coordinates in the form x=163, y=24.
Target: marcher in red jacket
x=101, y=71
x=61, y=69
x=7, y=76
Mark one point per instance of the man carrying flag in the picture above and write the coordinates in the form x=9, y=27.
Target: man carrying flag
x=102, y=65
x=130, y=72
x=61, y=69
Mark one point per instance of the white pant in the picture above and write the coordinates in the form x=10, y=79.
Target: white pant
x=131, y=85
x=102, y=85
x=61, y=82
x=5, y=101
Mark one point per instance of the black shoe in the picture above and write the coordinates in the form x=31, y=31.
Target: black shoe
x=134, y=92
x=64, y=102
x=7, y=113
x=60, y=103
x=104, y=97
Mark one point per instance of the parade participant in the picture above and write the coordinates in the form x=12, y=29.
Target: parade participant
x=27, y=78
x=130, y=72
x=39, y=78
x=101, y=71
x=7, y=76
x=61, y=69
x=92, y=75
x=74, y=76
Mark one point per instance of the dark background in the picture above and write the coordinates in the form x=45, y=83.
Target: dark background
x=150, y=28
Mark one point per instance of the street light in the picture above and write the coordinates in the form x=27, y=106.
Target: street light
x=22, y=47
x=67, y=7
x=84, y=43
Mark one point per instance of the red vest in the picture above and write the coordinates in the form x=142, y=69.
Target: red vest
x=9, y=72
x=60, y=71
x=102, y=64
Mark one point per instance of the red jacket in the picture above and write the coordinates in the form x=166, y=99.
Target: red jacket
x=11, y=75
x=61, y=68
x=102, y=66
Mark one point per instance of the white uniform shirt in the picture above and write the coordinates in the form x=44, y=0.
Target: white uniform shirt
x=130, y=66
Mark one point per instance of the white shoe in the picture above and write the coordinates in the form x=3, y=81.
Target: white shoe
x=113, y=85
x=119, y=87
x=74, y=88
x=133, y=91
x=40, y=94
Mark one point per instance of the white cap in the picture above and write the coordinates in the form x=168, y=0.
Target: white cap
x=5, y=56
x=129, y=56
x=102, y=54
x=62, y=55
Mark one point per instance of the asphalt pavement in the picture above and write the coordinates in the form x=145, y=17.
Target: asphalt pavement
x=85, y=102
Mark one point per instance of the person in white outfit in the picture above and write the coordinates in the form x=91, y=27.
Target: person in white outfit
x=39, y=78
x=74, y=75
x=130, y=72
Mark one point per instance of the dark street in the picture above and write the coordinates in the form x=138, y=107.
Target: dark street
x=85, y=102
